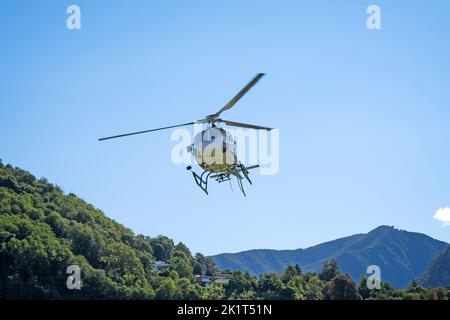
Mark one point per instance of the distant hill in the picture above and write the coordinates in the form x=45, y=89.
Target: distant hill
x=401, y=255
x=438, y=272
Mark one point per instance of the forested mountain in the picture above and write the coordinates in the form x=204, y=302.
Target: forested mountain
x=401, y=255
x=438, y=272
x=44, y=231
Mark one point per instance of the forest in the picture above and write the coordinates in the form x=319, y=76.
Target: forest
x=43, y=231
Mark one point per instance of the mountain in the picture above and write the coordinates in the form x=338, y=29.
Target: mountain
x=401, y=255
x=438, y=272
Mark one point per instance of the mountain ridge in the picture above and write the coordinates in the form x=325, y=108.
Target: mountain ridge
x=437, y=273
x=394, y=250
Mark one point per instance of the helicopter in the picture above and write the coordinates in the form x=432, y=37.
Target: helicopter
x=214, y=148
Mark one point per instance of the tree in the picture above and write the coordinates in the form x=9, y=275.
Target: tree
x=162, y=248
x=187, y=290
x=210, y=267
x=239, y=284
x=342, y=287
x=207, y=264
x=197, y=269
x=270, y=286
x=290, y=273
x=181, y=266
x=298, y=270
x=214, y=292
x=299, y=287
x=329, y=270
x=122, y=264
x=159, y=252
x=313, y=286
x=173, y=275
x=438, y=294
x=183, y=251
x=363, y=289
x=57, y=223
x=167, y=290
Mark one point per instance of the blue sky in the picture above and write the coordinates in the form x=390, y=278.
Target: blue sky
x=363, y=115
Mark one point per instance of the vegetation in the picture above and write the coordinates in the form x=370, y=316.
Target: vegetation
x=43, y=231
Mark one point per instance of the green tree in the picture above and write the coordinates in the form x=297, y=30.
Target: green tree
x=330, y=270
x=239, y=284
x=197, y=269
x=270, y=286
x=313, y=286
x=214, y=292
x=123, y=265
x=188, y=290
x=290, y=273
x=181, y=266
x=342, y=287
x=159, y=252
x=167, y=290
x=207, y=264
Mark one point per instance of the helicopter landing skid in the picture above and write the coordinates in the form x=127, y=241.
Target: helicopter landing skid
x=241, y=186
x=201, y=180
x=226, y=176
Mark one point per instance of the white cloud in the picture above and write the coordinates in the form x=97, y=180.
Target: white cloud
x=443, y=215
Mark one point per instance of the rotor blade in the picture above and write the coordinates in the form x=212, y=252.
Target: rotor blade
x=243, y=125
x=240, y=94
x=145, y=131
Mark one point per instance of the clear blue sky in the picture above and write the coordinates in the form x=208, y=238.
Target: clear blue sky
x=363, y=115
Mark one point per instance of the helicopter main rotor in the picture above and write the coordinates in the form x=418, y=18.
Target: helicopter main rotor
x=212, y=118
x=215, y=116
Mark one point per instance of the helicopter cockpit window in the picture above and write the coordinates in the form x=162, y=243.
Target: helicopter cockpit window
x=208, y=137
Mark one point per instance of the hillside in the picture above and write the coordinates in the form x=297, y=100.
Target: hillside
x=43, y=231
x=438, y=272
x=401, y=255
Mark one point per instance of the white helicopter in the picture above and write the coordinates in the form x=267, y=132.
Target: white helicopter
x=214, y=148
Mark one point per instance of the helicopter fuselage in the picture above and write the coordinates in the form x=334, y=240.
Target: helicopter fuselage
x=214, y=150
